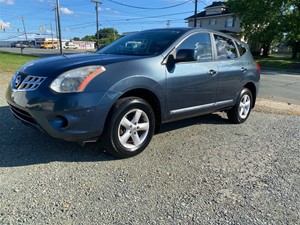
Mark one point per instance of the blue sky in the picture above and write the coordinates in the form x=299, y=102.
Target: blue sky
x=78, y=16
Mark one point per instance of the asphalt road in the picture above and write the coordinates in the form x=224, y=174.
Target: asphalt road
x=44, y=52
x=280, y=86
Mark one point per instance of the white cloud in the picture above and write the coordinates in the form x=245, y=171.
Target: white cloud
x=108, y=10
x=8, y=2
x=5, y=24
x=66, y=11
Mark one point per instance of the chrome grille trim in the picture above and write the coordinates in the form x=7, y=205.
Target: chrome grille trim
x=31, y=83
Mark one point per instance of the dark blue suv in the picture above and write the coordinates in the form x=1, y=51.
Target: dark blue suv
x=123, y=93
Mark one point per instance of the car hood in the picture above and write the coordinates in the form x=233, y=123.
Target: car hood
x=56, y=65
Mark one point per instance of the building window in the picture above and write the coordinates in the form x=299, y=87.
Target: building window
x=199, y=23
x=229, y=22
x=212, y=22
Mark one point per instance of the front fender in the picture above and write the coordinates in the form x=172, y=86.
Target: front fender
x=129, y=84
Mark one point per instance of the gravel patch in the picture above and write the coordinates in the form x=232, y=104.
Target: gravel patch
x=276, y=107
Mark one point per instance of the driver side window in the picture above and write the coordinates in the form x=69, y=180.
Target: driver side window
x=201, y=45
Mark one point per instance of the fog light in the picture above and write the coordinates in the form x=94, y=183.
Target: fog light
x=59, y=122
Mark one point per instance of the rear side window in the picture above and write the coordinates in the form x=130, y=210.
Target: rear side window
x=225, y=48
x=241, y=48
x=200, y=43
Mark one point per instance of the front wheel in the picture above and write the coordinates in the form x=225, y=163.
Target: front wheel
x=241, y=111
x=130, y=127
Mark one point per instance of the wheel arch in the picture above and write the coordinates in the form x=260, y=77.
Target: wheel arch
x=151, y=98
x=252, y=88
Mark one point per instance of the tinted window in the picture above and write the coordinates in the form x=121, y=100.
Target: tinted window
x=200, y=43
x=225, y=48
x=241, y=48
x=143, y=43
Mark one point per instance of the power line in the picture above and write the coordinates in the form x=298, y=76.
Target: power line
x=139, y=7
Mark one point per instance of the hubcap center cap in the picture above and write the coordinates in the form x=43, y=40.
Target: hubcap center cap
x=134, y=128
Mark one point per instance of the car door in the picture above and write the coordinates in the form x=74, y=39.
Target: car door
x=192, y=85
x=231, y=70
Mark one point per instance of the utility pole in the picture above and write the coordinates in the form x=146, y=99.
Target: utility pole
x=51, y=34
x=97, y=21
x=24, y=28
x=195, y=15
x=168, y=23
x=114, y=32
x=58, y=23
x=55, y=14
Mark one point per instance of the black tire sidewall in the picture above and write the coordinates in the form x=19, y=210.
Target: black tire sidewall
x=118, y=114
x=233, y=113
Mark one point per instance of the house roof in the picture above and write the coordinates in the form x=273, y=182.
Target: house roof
x=203, y=14
x=214, y=4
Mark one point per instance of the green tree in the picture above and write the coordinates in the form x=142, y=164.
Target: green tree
x=107, y=35
x=89, y=38
x=291, y=24
x=266, y=21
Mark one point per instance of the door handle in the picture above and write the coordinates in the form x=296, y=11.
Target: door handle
x=212, y=72
x=243, y=69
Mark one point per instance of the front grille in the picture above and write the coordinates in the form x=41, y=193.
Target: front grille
x=22, y=115
x=30, y=83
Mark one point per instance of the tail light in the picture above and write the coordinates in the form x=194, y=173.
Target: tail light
x=258, y=67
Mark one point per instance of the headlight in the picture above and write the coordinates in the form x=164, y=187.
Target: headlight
x=76, y=80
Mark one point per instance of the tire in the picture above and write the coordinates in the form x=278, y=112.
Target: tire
x=129, y=128
x=241, y=111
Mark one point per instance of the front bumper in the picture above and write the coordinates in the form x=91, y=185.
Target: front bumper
x=72, y=117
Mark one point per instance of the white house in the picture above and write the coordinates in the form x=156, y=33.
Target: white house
x=218, y=17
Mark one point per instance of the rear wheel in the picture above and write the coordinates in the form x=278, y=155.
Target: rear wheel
x=241, y=111
x=130, y=127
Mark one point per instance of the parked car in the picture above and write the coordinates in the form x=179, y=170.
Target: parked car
x=70, y=45
x=123, y=93
x=13, y=44
x=23, y=44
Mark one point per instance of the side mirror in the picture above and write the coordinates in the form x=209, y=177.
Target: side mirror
x=185, y=55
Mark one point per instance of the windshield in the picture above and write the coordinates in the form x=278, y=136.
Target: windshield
x=151, y=42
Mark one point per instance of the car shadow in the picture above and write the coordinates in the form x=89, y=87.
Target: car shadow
x=205, y=119
x=22, y=146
